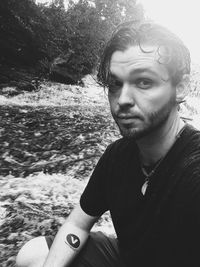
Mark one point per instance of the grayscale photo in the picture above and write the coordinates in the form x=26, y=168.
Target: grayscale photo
x=99, y=133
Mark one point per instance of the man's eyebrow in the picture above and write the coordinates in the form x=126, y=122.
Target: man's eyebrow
x=149, y=71
x=136, y=71
x=141, y=70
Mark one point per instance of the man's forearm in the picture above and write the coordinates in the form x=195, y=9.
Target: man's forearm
x=67, y=244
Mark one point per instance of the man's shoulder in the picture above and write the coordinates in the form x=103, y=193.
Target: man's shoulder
x=192, y=140
x=189, y=161
x=192, y=132
x=188, y=150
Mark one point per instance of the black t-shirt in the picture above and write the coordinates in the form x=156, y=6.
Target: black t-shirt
x=161, y=228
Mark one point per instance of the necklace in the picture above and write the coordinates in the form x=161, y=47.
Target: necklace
x=148, y=175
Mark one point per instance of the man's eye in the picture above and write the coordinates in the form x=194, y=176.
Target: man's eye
x=144, y=83
x=114, y=85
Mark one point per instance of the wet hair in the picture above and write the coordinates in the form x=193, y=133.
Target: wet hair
x=171, y=50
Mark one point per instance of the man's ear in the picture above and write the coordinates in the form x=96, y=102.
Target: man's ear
x=182, y=88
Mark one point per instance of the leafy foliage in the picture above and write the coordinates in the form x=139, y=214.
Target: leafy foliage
x=89, y=25
x=22, y=32
x=36, y=34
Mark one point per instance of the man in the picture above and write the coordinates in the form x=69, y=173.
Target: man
x=150, y=178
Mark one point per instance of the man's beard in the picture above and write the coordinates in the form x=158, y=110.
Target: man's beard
x=155, y=121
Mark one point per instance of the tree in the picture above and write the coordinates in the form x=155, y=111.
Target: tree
x=32, y=34
x=88, y=26
x=117, y=11
x=22, y=32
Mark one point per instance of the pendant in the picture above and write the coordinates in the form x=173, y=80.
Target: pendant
x=144, y=187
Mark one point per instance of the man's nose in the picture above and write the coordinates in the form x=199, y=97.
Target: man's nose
x=126, y=97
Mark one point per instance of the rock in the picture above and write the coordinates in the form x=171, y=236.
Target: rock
x=14, y=81
x=9, y=91
x=60, y=72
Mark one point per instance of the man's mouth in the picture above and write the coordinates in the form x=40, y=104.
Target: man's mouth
x=128, y=118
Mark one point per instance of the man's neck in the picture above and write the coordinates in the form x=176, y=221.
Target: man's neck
x=156, y=145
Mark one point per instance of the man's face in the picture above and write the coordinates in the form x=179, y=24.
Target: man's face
x=141, y=95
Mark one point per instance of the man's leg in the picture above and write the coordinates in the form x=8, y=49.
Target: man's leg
x=99, y=251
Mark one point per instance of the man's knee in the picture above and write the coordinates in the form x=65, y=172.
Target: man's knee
x=33, y=253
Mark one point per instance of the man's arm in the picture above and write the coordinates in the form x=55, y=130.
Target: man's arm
x=70, y=238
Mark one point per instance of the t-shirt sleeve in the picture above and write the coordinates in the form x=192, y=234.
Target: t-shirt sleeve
x=93, y=200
